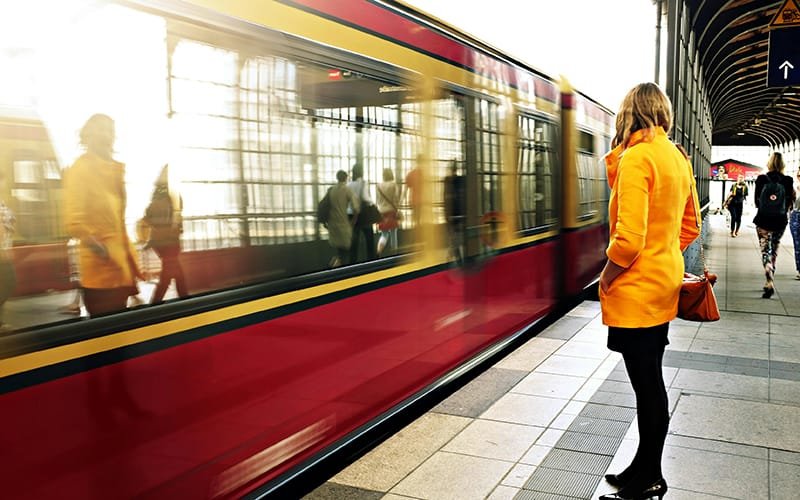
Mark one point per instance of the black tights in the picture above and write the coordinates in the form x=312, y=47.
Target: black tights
x=643, y=362
x=736, y=216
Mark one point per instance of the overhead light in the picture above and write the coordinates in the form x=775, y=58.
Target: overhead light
x=739, y=133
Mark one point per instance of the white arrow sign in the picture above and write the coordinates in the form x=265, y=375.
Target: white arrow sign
x=786, y=66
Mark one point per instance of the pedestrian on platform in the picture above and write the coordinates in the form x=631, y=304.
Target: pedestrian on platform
x=794, y=226
x=653, y=217
x=774, y=197
x=340, y=225
x=735, y=204
x=94, y=201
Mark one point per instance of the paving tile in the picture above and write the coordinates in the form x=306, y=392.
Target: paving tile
x=530, y=355
x=717, y=446
x=730, y=349
x=550, y=385
x=550, y=437
x=479, y=394
x=563, y=421
x=523, y=409
x=536, y=454
x=518, y=475
x=722, y=383
x=392, y=460
x=568, y=365
x=784, y=375
x=503, y=492
x=715, y=473
x=450, y=476
x=585, y=462
x=746, y=422
x=584, y=350
x=333, y=491
x=599, y=427
x=784, y=354
x=738, y=336
x=784, y=480
x=614, y=399
x=576, y=441
x=608, y=412
x=565, y=328
x=784, y=391
x=559, y=482
x=498, y=440
x=786, y=457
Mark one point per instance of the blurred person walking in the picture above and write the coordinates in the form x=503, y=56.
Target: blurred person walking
x=735, y=204
x=774, y=197
x=163, y=215
x=8, y=278
x=361, y=227
x=94, y=202
x=653, y=217
x=339, y=224
x=387, y=200
x=794, y=226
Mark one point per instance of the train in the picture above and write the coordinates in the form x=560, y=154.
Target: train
x=275, y=359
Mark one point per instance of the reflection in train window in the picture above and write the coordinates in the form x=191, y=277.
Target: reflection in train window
x=535, y=164
x=448, y=146
x=487, y=136
x=590, y=176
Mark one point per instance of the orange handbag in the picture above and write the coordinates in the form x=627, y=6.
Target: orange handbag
x=697, y=301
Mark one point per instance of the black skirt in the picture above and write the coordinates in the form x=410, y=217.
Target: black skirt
x=638, y=339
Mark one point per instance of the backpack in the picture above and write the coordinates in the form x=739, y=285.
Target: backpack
x=772, y=200
x=324, y=208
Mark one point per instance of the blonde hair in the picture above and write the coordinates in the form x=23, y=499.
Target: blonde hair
x=775, y=163
x=645, y=106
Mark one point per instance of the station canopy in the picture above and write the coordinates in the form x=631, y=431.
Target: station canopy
x=732, y=38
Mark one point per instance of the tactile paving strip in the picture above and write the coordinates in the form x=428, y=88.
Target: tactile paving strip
x=599, y=426
x=577, y=441
x=538, y=495
x=606, y=412
x=559, y=482
x=614, y=399
x=574, y=461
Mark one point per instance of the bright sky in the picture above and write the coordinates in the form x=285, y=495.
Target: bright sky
x=604, y=48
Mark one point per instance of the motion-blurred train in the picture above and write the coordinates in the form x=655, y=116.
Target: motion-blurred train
x=275, y=360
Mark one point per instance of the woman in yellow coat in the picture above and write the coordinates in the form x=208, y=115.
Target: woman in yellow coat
x=653, y=217
x=94, y=199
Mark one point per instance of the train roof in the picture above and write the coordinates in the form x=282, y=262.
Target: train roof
x=475, y=42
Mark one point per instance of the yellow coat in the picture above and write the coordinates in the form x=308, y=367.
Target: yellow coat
x=653, y=217
x=94, y=201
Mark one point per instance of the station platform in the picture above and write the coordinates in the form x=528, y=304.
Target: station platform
x=551, y=418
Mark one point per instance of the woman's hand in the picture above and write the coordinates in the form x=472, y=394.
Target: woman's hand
x=610, y=272
x=98, y=248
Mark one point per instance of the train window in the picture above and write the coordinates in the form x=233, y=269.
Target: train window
x=590, y=178
x=448, y=149
x=252, y=139
x=487, y=138
x=536, y=151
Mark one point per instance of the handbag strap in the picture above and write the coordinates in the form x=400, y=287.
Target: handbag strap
x=386, y=198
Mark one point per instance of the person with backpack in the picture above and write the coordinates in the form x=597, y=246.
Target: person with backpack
x=340, y=226
x=735, y=204
x=164, y=218
x=774, y=197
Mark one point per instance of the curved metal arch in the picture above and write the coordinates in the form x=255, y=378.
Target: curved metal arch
x=741, y=49
x=755, y=64
x=733, y=96
x=729, y=15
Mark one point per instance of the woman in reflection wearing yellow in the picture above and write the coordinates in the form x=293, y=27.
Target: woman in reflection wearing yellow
x=94, y=192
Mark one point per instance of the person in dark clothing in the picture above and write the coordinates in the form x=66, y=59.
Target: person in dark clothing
x=735, y=204
x=163, y=215
x=454, y=198
x=774, y=197
x=359, y=188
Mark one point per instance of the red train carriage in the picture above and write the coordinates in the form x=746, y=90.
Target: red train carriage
x=276, y=360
